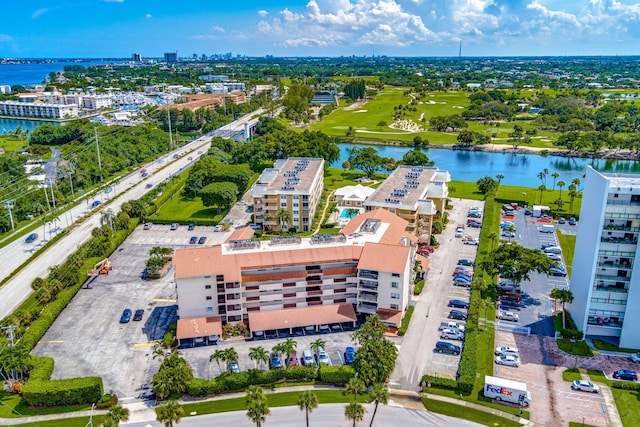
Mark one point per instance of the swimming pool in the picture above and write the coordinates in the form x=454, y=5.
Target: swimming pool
x=346, y=214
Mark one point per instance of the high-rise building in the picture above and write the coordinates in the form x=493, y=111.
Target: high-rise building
x=171, y=57
x=136, y=57
x=604, y=282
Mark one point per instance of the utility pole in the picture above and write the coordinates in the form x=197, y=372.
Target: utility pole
x=53, y=199
x=95, y=131
x=69, y=173
x=8, y=204
x=9, y=330
x=169, y=116
x=46, y=196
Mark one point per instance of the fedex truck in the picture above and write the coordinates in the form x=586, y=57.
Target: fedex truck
x=506, y=390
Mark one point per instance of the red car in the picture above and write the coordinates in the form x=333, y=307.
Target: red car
x=466, y=273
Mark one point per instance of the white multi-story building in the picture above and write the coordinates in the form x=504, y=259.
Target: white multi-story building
x=604, y=280
x=292, y=282
x=96, y=102
x=37, y=109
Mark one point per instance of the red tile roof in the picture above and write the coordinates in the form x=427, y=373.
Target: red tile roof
x=243, y=233
x=298, y=317
x=199, y=327
x=380, y=257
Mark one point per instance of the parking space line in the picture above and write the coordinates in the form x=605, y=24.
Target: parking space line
x=50, y=342
x=163, y=300
x=144, y=344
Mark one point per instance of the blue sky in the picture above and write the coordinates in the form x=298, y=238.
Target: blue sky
x=116, y=28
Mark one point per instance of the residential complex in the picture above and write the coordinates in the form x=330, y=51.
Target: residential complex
x=37, y=109
x=299, y=281
x=287, y=195
x=414, y=193
x=603, y=280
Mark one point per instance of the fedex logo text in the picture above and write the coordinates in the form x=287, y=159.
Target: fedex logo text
x=499, y=390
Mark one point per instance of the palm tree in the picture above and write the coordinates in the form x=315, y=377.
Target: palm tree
x=217, y=355
x=573, y=193
x=169, y=413
x=283, y=218
x=257, y=407
x=545, y=171
x=559, y=202
x=555, y=293
x=565, y=297
x=493, y=236
x=354, y=411
x=355, y=386
x=229, y=355
x=379, y=394
x=499, y=177
x=258, y=355
x=316, y=346
x=116, y=414
x=307, y=402
x=541, y=176
x=542, y=189
x=289, y=346
x=577, y=182
x=561, y=184
x=555, y=176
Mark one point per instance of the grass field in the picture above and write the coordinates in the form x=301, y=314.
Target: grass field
x=470, y=414
x=571, y=374
x=13, y=406
x=68, y=422
x=181, y=209
x=568, y=245
x=607, y=346
x=13, y=143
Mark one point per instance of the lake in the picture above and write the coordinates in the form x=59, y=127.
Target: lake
x=8, y=125
x=518, y=169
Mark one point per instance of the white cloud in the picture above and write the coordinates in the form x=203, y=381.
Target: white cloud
x=148, y=16
x=217, y=29
x=262, y=13
x=5, y=38
x=554, y=15
x=39, y=12
x=113, y=1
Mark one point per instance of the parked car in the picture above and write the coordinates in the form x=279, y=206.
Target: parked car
x=635, y=357
x=307, y=358
x=527, y=211
x=507, y=351
x=587, y=386
x=508, y=361
x=466, y=262
x=174, y=226
x=31, y=238
x=457, y=303
x=349, y=355
x=572, y=221
x=473, y=221
x=218, y=228
x=446, y=347
x=255, y=226
x=191, y=227
x=506, y=287
x=138, y=314
x=553, y=250
x=626, y=375
x=451, y=334
x=508, y=315
x=292, y=360
x=193, y=240
x=147, y=226
x=474, y=214
x=201, y=240
x=562, y=220
x=462, y=276
x=508, y=234
x=554, y=257
x=457, y=314
x=126, y=316
x=557, y=271
x=472, y=241
x=148, y=186
x=95, y=204
x=274, y=361
x=233, y=367
x=323, y=357
x=462, y=282
x=474, y=225
x=459, y=232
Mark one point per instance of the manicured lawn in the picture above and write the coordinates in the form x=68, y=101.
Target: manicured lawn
x=571, y=375
x=605, y=345
x=335, y=178
x=274, y=400
x=13, y=143
x=68, y=422
x=470, y=414
x=577, y=348
x=181, y=209
x=13, y=406
x=568, y=245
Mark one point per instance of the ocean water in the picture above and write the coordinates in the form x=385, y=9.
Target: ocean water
x=28, y=74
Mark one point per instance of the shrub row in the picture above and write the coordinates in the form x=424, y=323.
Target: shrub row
x=441, y=383
x=417, y=289
x=406, y=320
x=625, y=385
x=228, y=382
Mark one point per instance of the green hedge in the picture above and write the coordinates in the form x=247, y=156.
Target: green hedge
x=336, y=374
x=417, y=289
x=406, y=320
x=625, y=385
x=437, y=382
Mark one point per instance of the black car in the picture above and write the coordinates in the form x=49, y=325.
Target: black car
x=447, y=347
x=193, y=240
x=201, y=240
x=625, y=374
x=458, y=303
x=466, y=262
x=555, y=271
x=138, y=314
x=457, y=314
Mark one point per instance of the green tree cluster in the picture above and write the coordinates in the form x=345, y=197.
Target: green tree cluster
x=376, y=355
x=173, y=376
x=210, y=170
x=447, y=123
x=355, y=89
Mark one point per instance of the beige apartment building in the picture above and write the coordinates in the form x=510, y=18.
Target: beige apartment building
x=415, y=194
x=287, y=196
x=292, y=282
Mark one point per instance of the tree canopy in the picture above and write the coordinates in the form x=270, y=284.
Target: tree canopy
x=515, y=262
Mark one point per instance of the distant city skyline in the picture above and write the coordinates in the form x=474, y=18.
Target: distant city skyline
x=117, y=28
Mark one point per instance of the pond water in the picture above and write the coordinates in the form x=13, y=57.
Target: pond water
x=9, y=125
x=518, y=169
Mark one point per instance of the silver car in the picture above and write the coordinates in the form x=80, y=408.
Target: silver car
x=508, y=315
x=451, y=334
x=508, y=361
x=587, y=386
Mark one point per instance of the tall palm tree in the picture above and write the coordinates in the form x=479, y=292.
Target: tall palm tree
x=217, y=355
x=257, y=407
x=561, y=184
x=355, y=386
x=169, y=413
x=283, y=218
x=379, y=394
x=230, y=355
x=117, y=414
x=565, y=297
x=493, y=236
x=289, y=346
x=318, y=344
x=307, y=402
x=555, y=176
x=541, y=177
x=542, y=189
x=499, y=177
x=555, y=293
x=577, y=182
x=354, y=411
x=573, y=193
x=258, y=355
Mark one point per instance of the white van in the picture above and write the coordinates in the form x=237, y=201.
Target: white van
x=307, y=358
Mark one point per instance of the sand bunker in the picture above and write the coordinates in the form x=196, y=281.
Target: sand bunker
x=408, y=125
x=361, y=111
x=456, y=106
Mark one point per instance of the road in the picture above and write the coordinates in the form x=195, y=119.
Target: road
x=131, y=187
x=324, y=415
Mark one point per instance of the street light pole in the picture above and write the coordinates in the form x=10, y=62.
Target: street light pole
x=53, y=200
x=69, y=173
x=8, y=204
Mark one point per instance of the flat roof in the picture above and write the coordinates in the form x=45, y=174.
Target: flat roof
x=294, y=175
x=404, y=187
x=298, y=317
x=199, y=327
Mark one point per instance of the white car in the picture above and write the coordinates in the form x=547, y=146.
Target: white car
x=508, y=361
x=472, y=241
x=635, y=357
x=508, y=315
x=451, y=334
x=507, y=233
x=459, y=232
x=587, y=386
x=507, y=351
x=323, y=357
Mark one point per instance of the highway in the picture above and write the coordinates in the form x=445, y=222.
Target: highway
x=131, y=187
